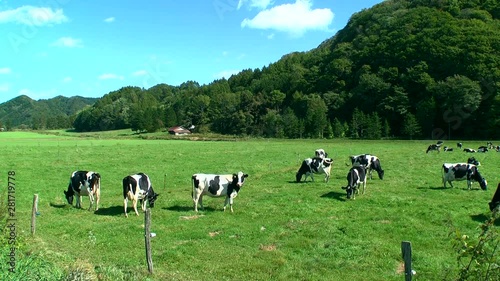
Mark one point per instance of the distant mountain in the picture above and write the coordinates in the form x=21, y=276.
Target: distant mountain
x=59, y=112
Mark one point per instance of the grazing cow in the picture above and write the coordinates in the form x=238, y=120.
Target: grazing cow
x=459, y=145
x=469, y=150
x=355, y=177
x=321, y=153
x=371, y=163
x=473, y=161
x=463, y=171
x=433, y=147
x=138, y=187
x=84, y=183
x=495, y=201
x=216, y=186
x=316, y=165
x=447, y=149
x=482, y=149
x=490, y=145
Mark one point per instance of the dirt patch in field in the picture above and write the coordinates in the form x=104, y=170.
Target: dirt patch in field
x=400, y=268
x=268, y=248
x=189, y=217
x=213, y=234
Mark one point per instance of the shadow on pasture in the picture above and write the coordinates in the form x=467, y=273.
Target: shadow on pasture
x=178, y=208
x=111, y=211
x=340, y=196
x=60, y=206
x=433, y=187
x=483, y=217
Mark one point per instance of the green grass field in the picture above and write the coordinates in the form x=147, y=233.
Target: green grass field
x=280, y=230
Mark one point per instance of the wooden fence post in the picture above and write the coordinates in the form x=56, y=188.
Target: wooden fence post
x=34, y=211
x=147, y=237
x=406, y=251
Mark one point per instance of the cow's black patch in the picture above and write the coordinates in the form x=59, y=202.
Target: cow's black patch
x=144, y=182
x=213, y=185
x=460, y=171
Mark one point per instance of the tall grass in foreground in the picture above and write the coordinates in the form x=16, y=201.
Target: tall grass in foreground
x=280, y=230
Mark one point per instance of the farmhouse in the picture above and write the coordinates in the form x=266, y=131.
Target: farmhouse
x=178, y=130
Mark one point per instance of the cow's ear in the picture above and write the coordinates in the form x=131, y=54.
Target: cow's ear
x=245, y=175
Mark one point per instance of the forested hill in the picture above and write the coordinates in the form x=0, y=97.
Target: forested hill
x=419, y=68
x=58, y=112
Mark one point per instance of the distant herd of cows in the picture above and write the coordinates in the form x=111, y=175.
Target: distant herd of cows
x=138, y=187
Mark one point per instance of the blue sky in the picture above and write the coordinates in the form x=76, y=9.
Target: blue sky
x=89, y=48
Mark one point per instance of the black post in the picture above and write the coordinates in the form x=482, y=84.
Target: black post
x=147, y=237
x=406, y=250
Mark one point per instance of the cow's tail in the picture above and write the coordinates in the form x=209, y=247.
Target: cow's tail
x=126, y=187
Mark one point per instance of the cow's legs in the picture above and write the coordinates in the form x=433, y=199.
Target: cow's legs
x=125, y=206
x=91, y=201
x=78, y=201
x=197, y=200
x=97, y=198
x=229, y=199
x=134, y=203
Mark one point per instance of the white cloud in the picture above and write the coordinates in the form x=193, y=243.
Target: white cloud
x=294, y=19
x=30, y=15
x=110, y=19
x=108, y=76
x=68, y=42
x=5, y=70
x=67, y=79
x=259, y=4
x=226, y=74
x=4, y=87
x=141, y=72
x=270, y=36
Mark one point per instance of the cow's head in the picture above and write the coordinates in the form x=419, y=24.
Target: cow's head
x=69, y=195
x=152, y=198
x=477, y=177
x=473, y=161
x=349, y=190
x=239, y=179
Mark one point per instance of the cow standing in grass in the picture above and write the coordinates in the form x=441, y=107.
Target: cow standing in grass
x=371, y=162
x=84, y=183
x=462, y=171
x=138, y=187
x=217, y=186
x=355, y=178
x=316, y=165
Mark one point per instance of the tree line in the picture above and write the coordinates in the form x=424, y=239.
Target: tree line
x=405, y=69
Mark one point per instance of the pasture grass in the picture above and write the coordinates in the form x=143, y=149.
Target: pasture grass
x=280, y=230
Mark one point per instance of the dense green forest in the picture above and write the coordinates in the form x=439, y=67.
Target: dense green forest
x=405, y=69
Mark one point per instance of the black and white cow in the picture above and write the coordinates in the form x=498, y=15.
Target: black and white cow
x=463, y=171
x=490, y=145
x=433, y=147
x=217, y=186
x=84, y=183
x=473, y=161
x=371, y=163
x=459, y=145
x=447, y=149
x=497, y=148
x=482, y=149
x=316, y=165
x=355, y=178
x=495, y=201
x=138, y=187
x=469, y=150
x=321, y=153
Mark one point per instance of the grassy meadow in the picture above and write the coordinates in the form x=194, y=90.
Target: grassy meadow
x=280, y=230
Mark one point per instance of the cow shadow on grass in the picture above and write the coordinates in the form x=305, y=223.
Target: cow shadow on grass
x=340, y=196
x=111, y=211
x=178, y=208
x=60, y=206
x=483, y=218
